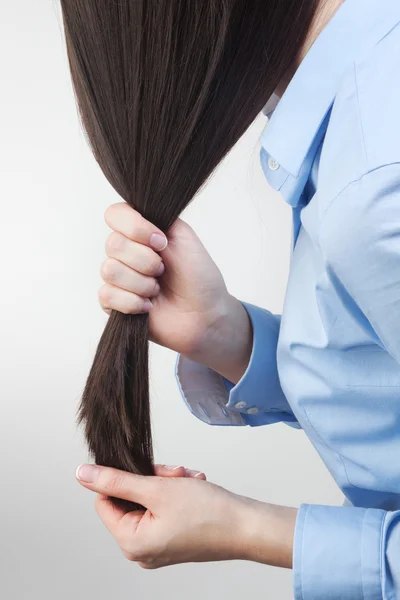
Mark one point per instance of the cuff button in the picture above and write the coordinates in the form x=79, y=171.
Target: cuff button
x=240, y=405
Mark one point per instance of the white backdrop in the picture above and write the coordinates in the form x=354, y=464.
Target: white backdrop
x=52, y=234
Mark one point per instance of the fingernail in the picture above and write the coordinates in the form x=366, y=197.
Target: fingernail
x=87, y=473
x=147, y=305
x=198, y=474
x=192, y=473
x=158, y=242
x=172, y=468
x=161, y=270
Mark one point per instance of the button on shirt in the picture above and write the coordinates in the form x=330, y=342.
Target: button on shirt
x=330, y=364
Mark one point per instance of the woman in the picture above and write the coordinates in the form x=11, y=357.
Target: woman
x=328, y=365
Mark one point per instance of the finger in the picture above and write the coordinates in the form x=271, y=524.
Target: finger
x=123, y=218
x=112, y=516
x=116, y=273
x=108, y=512
x=119, y=484
x=169, y=471
x=195, y=474
x=173, y=471
x=111, y=297
x=137, y=256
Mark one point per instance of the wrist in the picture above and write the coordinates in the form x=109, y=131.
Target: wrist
x=226, y=341
x=268, y=533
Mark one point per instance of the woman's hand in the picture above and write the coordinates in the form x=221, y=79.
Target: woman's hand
x=192, y=312
x=188, y=520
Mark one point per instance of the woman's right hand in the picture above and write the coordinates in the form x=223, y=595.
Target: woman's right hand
x=192, y=312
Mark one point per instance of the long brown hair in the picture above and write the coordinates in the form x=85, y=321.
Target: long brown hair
x=164, y=88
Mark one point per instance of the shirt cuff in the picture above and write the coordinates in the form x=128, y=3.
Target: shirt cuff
x=257, y=398
x=337, y=553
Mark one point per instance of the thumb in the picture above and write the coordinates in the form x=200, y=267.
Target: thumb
x=119, y=484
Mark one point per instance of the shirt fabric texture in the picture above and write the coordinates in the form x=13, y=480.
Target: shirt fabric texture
x=330, y=364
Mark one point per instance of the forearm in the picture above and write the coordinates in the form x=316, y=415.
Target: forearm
x=267, y=533
x=226, y=342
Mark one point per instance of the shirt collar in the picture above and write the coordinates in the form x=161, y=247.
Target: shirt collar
x=271, y=105
x=297, y=116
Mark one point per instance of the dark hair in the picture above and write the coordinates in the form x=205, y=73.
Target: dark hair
x=164, y=88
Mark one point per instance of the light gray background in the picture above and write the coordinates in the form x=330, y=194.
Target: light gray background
x=53, y=196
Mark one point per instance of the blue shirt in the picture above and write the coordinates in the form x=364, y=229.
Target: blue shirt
x=330, y=364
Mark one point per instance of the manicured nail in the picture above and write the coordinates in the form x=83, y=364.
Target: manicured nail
x=198, y=474
x=161, y=270
x=192, y=473
x=172, y=468
x=147, y=305
x=87, y=473
x=158, y=242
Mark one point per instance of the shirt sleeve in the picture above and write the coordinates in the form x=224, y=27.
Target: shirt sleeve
x=346, y=553
x=353, y=553
x=256, y=399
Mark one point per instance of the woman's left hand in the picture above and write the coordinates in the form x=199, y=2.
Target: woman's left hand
x=188, y=519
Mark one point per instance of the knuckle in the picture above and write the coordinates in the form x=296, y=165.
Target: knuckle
x=114, y=484
x=153, y=264
x=105, y=295
x=130, y=309
x=150, y=286
x=133, y=232
x=137, y=227
x=111, y=212
x=114, y=243
x=135, y=304
x=109, y=270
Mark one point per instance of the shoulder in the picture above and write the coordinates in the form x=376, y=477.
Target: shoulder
x=377, y=82
x=363, y=133
x=359, y=229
